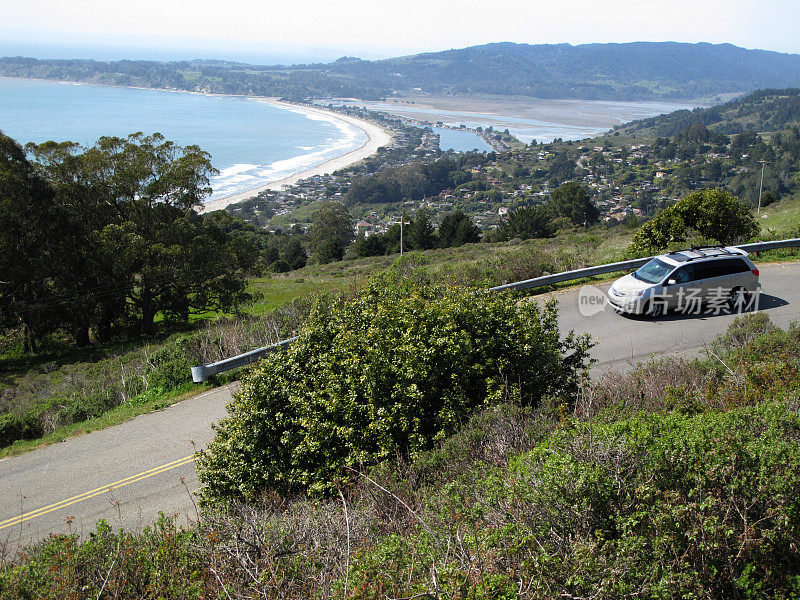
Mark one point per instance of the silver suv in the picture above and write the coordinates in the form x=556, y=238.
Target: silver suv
x=719, y=277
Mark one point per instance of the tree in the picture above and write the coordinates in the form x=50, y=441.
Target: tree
x=528, y=222
x=294, y=253
x=715, y=215
x=572, y=201
x=29, y=220
x=331, y=232
x=373, y=245
x=419, y=234
x=457, y=229
x=137, y=246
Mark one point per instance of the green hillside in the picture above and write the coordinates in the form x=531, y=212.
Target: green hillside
x=762, y=111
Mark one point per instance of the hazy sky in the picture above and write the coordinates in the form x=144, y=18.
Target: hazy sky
x=370, y=28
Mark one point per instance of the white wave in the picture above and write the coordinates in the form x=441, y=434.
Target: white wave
x=238, y=179
x=235, y=170
x=245, y=176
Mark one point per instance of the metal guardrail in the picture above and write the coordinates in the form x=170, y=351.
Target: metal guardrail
x=764, y=246
x=622, y=266
x=203, y=372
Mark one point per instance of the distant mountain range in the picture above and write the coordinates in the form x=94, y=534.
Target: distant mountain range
x=594, y=71
x=632, y=71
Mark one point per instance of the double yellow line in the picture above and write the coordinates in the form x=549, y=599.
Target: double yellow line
x=95, y=492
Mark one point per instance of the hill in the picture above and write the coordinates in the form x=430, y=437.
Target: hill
x=591, y=71
x=631, y=71
x=762, y=111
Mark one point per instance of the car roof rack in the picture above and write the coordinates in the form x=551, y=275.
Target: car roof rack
x=684, y=256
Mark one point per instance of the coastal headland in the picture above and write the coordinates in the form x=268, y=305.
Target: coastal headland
x=377, y=137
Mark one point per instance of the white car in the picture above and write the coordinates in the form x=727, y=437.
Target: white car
x=720, y=276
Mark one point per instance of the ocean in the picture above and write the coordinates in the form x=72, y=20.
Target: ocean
x=251, y=143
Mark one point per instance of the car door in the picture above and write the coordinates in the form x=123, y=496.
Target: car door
x=739, y=274
x=676, y=293
x=715, y=281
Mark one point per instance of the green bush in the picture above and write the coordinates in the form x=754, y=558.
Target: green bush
x=385, y=374
x=13, y=428
x=666, y=506
x=81, y=409
x=171, y=365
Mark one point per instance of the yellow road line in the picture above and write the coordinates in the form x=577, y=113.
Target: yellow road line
x=95, y=492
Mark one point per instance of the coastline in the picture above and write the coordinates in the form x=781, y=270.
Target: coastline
x=377, y=137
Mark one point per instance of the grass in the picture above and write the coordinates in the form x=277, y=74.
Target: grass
x=781, y=219
x=276, y=291
x=126, y=412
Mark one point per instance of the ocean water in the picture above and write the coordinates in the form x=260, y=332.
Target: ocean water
x=251, y=142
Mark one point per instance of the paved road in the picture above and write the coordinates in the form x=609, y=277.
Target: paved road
x=147, y=462
x=623, y=341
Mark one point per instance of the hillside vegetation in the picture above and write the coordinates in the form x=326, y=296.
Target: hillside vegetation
x=762, y=111
x=680, y=479
x=640, y=70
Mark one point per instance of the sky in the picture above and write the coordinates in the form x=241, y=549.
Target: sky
x=303, y=30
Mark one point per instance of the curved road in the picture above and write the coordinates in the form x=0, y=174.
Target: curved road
x=128, y=473
x=622, y=341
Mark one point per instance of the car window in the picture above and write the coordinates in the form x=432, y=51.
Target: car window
x=720, y=268
x=684, y=274
x=735, y=265
x=712, y=268
x=653, y=271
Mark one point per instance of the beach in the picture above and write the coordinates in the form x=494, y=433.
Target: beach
x=377, y=137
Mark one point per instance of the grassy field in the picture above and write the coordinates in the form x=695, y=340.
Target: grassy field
x=781, y=219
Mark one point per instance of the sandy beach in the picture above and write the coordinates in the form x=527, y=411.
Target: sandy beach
x=377, y=137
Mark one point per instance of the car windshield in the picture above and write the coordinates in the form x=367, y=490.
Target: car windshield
x=654, y=271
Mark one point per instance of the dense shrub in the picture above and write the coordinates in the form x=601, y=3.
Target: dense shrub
x=13, y=428
x=385, y=374
x=161, y=562
x=666, y=506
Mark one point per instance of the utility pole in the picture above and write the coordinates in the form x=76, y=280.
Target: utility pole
x=761, y=187
x=402, y=218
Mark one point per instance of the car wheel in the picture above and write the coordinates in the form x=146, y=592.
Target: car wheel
x=653, y=310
